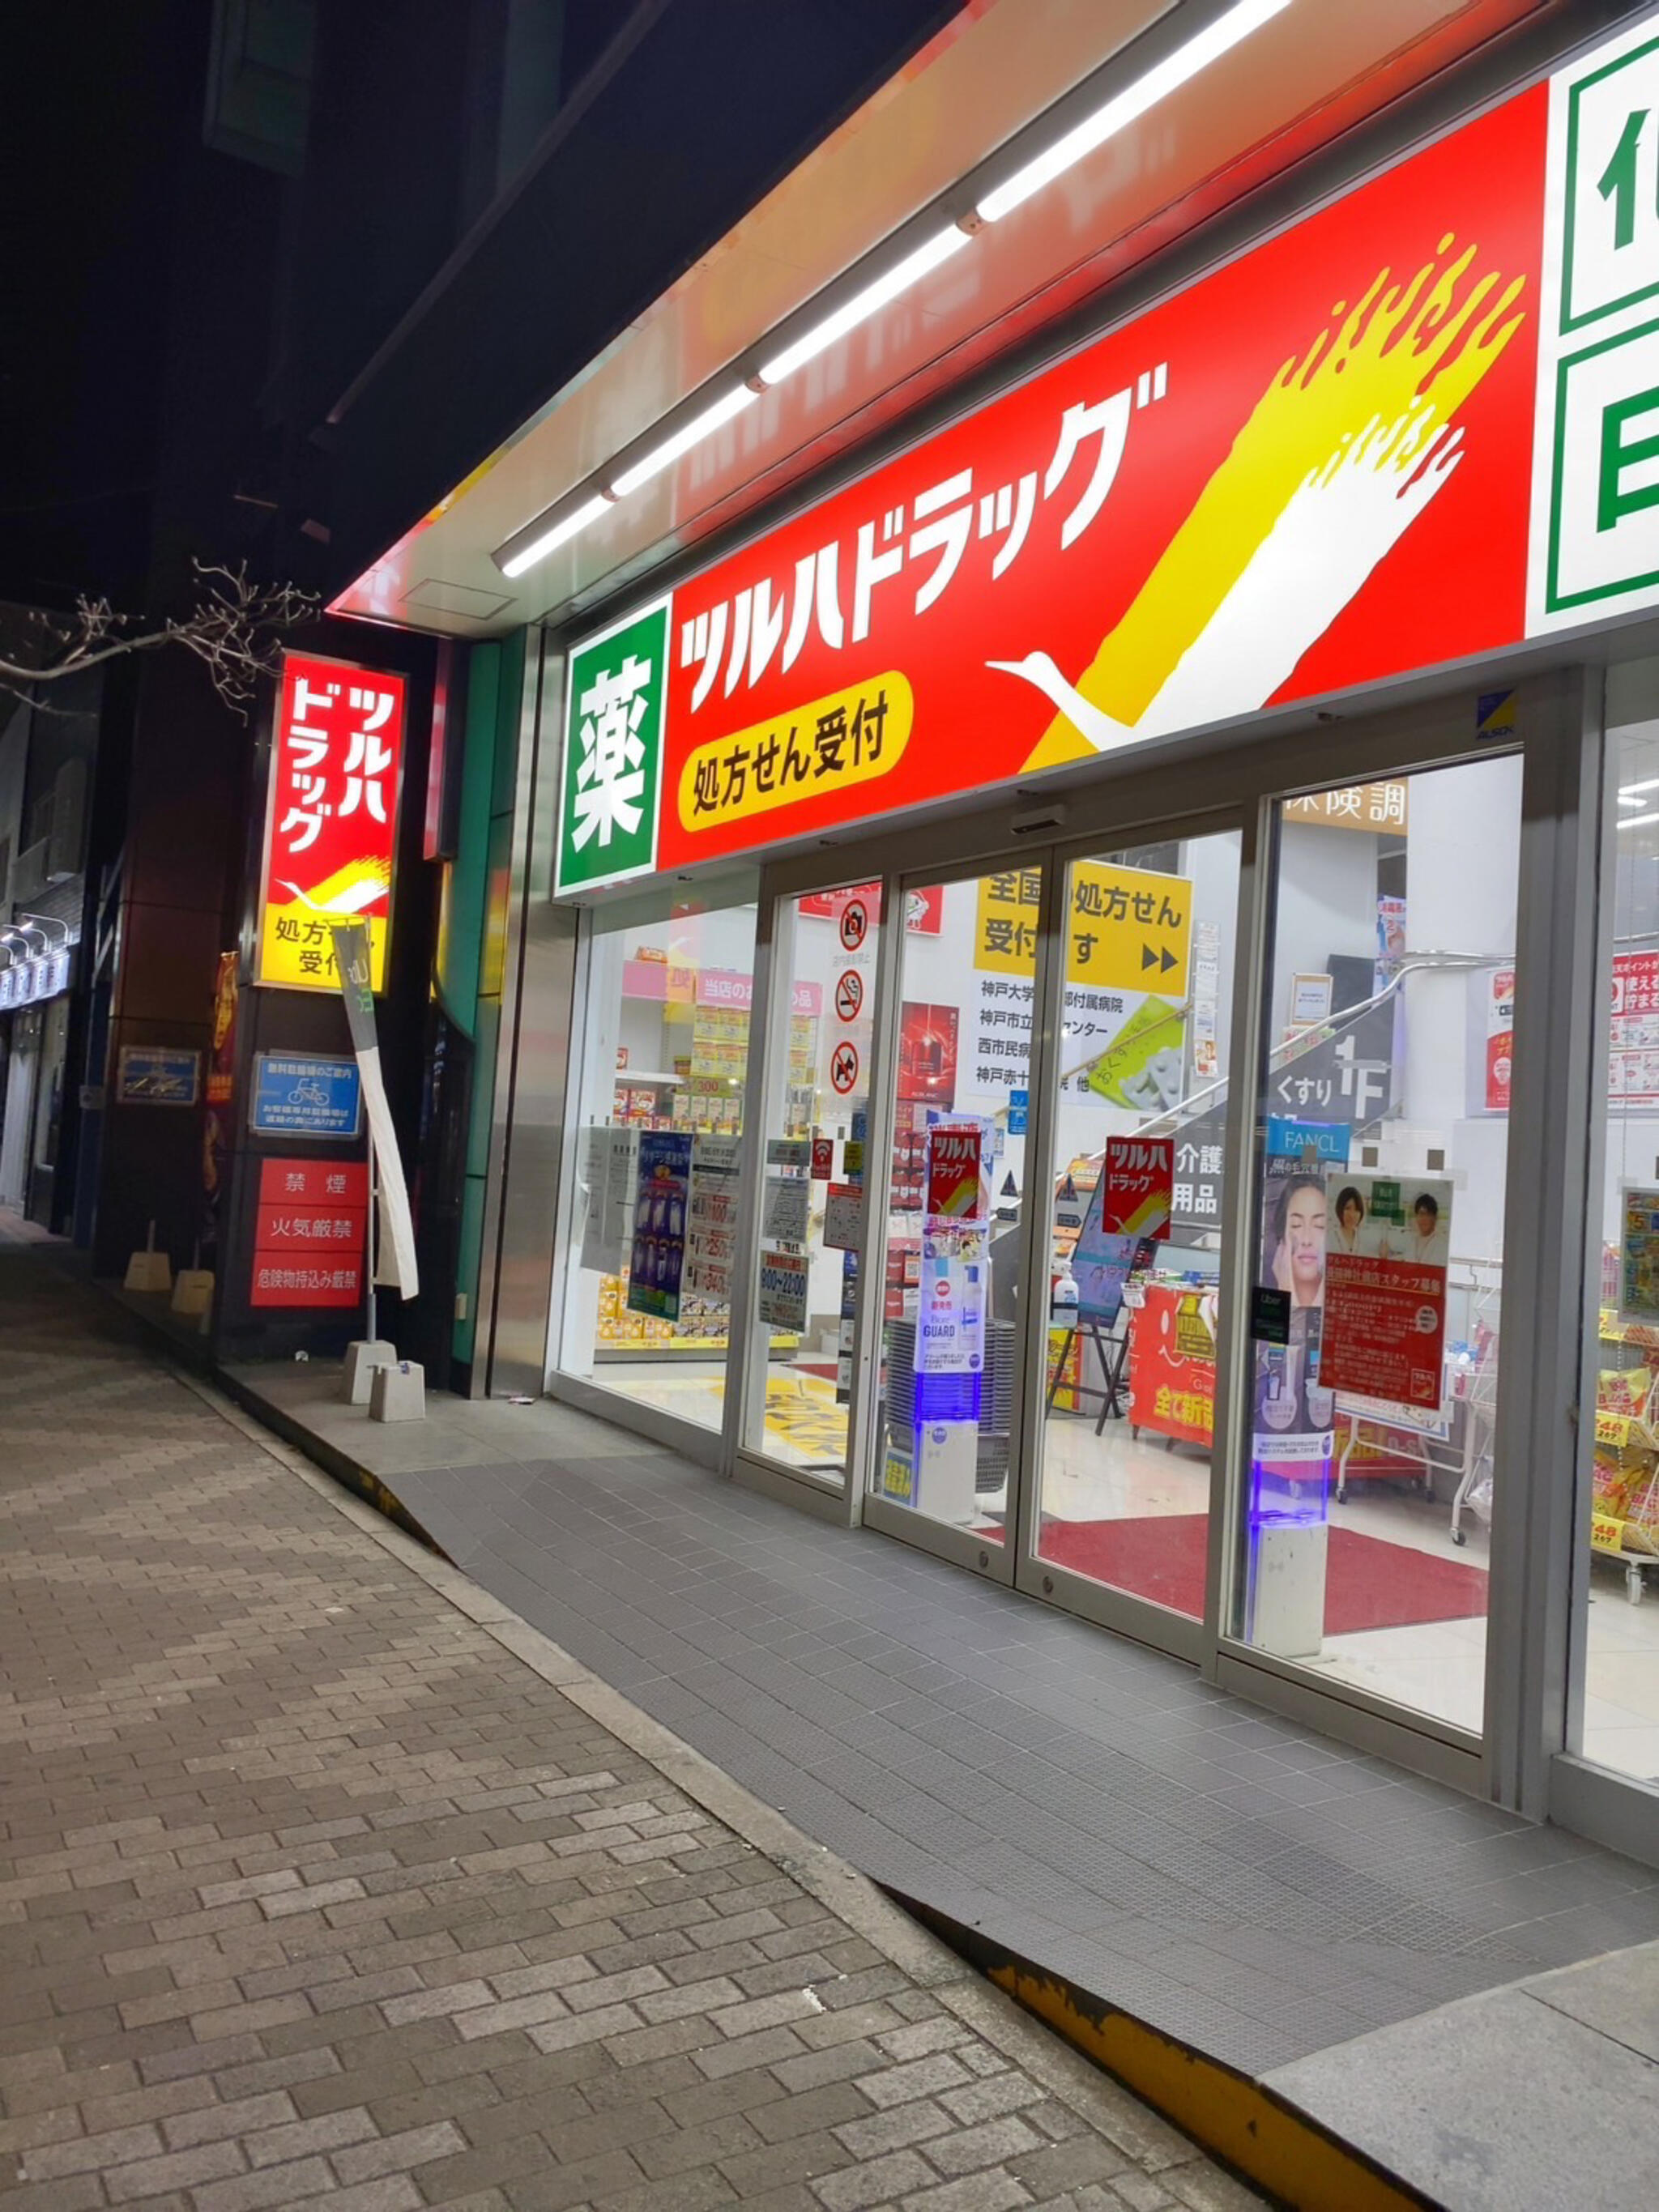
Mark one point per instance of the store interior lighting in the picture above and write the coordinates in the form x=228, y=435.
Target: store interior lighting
x=1638, y=821
x=1218, y=37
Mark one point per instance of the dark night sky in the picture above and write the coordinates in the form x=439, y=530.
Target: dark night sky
x=102, y=100
x=180, y=320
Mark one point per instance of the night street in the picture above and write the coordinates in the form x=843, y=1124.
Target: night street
x=315, y=1884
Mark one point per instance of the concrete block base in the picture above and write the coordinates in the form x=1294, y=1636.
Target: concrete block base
x=192, y=1292
x=362, y=1358
x=398, y=1393
x=148, y=1270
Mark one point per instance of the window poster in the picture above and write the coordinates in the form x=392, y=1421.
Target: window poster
x=781, y=1299
x=661, y=1190
x=1633, y=1031
x=1293, y=1409
x=1390, y=939
x=608, y=1165
x=1500, y=1038
x=1138, y=1184
x=1100, y=1263
x=712, y=1224
x=1639, y=1253
x=1387, y=1245
x=955, y=1270
x=1205, y=1001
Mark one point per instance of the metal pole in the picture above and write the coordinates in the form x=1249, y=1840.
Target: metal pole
x=374, y=1210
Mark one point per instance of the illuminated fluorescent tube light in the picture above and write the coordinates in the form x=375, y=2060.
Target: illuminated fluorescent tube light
x=692, y=432
x=1636, y=821
x=1218, y=38
x=560, y=533
x=864, y=304
x=1630, y=790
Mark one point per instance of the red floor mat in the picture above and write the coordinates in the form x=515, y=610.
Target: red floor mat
x=1368, y=1584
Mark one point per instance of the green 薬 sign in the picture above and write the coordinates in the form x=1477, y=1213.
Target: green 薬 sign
x=612, y=774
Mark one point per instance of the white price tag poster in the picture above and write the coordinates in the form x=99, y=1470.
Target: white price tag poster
x=782, y=1296
x=711, y=1235
x=843, y=1217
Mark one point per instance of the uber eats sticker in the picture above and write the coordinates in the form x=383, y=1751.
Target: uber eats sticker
x=612, y=768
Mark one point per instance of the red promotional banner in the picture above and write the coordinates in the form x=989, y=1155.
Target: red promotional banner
x=331, y=817
x=1252, y=494
x=1388, y=1246
x=1139, y=1186
x=924, y=910
x=310, y=1233
x=954, y=1175
x=1172, y=1366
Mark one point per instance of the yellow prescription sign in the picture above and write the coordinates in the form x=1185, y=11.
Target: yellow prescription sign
x=1127, y=929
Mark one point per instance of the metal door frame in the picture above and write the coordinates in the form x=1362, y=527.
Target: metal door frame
x=769, y=1047
x=1244, y=775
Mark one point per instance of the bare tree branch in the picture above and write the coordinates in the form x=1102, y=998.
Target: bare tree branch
x=236, y=630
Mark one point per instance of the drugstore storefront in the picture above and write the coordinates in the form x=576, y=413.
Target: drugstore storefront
x=1116, y=972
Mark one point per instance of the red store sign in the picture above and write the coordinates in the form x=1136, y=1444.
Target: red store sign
x=1252, y=494
x=331, y=819
x=311, y=1233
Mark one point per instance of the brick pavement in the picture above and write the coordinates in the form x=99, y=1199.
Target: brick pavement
x=323, y=1876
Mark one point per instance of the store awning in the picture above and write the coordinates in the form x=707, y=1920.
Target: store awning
x=915, y=172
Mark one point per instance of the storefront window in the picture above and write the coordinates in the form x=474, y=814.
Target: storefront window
x=1618, y=1710
x=664, y=1060
x=1373, y=1466
x=1140, y=1195
x=950, y=1282
x=813, y=1178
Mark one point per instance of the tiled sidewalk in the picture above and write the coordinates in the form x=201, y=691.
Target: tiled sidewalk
x=1240, y=1881
x=318, y=1885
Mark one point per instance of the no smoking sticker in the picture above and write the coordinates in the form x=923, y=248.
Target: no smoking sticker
x=855, y=921
x=844, y=1067
x=849, y=995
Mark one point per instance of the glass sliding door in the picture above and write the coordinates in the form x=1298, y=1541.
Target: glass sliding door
x=814, y=1171
x=951, y=1266
x=1615, y=1702
x=662, y=1066
x=1138, y=1199
x=1373, y=1466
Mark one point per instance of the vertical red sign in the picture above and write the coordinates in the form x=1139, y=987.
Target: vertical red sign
x=1139, y=1181
x=310, y=1233
x=331, y=819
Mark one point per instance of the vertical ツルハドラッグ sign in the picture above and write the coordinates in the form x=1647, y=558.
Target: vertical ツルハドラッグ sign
x=331, y=819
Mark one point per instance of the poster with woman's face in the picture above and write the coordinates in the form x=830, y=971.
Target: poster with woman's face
x=1293, y=1235
x=1292, y=1413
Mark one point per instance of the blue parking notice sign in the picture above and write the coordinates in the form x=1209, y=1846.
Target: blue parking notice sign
x=297, y=1095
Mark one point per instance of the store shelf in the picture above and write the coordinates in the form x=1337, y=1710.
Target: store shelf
x=683, y=1347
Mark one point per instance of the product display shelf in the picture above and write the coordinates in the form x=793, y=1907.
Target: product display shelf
x=1624, y=1507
